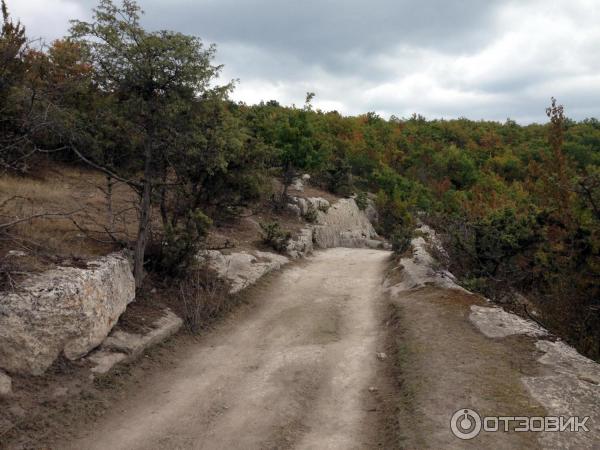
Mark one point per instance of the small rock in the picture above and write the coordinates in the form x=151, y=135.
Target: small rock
x=372, y=389
x=104, y=361
x=381, y=356
x=5, y=385
x=16, y=253
x=294, y=209
x=297, y=185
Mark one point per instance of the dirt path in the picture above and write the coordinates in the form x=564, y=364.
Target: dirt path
x=302, y=368
x=295, y=372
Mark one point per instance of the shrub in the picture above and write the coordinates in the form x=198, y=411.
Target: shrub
x=274, y=236
x=311, y=214
x=400, y=239
x=204, y=297
x=361, y=200
x=339, y=177
x=181, y=243
x=323, y=207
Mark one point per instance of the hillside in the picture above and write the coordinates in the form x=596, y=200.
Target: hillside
x=142, y=207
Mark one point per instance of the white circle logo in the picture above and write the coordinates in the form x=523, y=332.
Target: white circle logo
x=465, y=424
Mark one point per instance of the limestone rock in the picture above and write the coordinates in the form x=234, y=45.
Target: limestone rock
x=494, y=322
x=419, y=269
x=294, y=209
x=344, y=225
x=301, y=245
x=371, y=212
x=242, y=269
x=5, y=385
x=297, y=184
x=306, y=204
x=105, y=360
x=66, y=310
x=134, y=344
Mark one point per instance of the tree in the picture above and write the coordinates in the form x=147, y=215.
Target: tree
x=295, y=140
x=13, y=46
x=155, y=79
x=559, y=182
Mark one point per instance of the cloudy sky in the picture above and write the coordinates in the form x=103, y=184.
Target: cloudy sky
x=479, y=59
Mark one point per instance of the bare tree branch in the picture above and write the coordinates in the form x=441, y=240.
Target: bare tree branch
x=4, y=226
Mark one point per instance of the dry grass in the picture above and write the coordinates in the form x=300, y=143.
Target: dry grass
x=204, y=297
x=71, y=240
x=79, y=234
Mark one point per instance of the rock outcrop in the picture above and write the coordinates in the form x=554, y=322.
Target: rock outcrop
x=66, y=310
x=242, y=269
x=301, y=245
x=133, y=344
x=121, y=346
x=344, y=225
x=303, y=206
x=419, y=270
x=562, y=381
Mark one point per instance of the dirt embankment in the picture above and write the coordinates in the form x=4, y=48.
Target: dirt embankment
x=454, y=351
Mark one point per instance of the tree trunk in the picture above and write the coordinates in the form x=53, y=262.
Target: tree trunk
x=109, y=203
x=145, y=214
x=288, y=177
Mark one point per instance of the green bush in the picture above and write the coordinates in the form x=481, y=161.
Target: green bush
x=311, y=214
x=274, y=236
x=323, y=207
x=181, y=243
x=361, y=200
x=400, y=239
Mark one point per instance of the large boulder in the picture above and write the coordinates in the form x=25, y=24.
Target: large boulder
x=66, y=310
x=301, y=245
x=318, y=204
x=343, y=225
x=242, y=269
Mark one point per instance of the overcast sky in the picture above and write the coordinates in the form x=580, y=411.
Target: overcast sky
x=481, y=59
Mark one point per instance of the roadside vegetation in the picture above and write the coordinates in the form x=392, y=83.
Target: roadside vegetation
x=518, y=206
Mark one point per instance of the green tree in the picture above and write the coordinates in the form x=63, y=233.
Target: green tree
x=156, y=78
x=13, y=47
x=296, y=143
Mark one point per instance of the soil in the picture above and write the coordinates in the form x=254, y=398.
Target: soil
x=443, y=364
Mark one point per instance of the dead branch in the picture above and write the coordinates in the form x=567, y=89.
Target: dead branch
x=4, y=226
x=135, y=185
x=113, y=238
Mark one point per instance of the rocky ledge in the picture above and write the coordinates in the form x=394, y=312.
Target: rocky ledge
x=66, y=311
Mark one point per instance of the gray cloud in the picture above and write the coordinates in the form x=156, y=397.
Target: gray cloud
x=491, y=59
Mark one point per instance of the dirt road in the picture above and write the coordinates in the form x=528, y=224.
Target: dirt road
x=299, y=371
x=302, y=369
